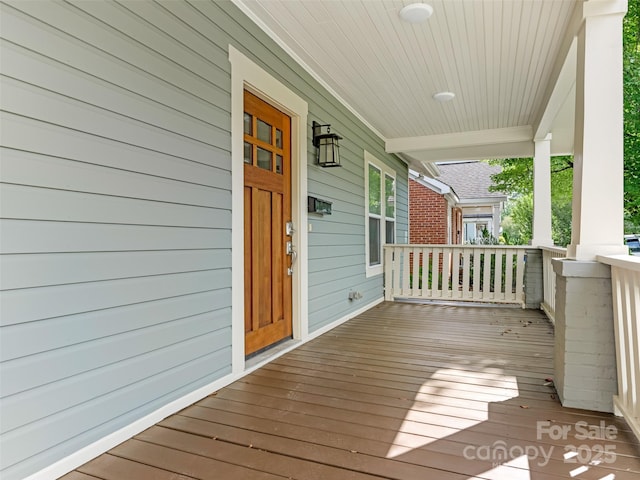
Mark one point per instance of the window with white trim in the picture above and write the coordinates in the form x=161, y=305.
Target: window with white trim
x=380, y=192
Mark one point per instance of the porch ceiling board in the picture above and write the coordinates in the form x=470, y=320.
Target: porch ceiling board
x=501, y=58
x=401, y=392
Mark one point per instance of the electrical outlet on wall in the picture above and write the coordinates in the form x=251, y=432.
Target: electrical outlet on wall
x=354, y=295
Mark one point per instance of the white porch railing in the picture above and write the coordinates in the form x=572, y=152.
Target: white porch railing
x=487, y=273
x=625, y=283
x=549, y=279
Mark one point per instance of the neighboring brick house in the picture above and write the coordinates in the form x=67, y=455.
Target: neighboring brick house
x=456, y=206
x=433, y=216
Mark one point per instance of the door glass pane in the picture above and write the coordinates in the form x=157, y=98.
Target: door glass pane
x=390, y=231
x=374, y=241
x=390, y=195
x=248, y=153
x=264, y=131
x=278, y=138
x=374, y=190
x=279, y=164
x=247, y=123
x=264, y=158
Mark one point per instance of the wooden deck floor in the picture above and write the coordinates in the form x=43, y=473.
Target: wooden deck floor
x=403, y=391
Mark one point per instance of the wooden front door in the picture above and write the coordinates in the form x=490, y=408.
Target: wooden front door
x=267, y=209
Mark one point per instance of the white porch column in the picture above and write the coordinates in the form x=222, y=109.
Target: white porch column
x=597, y=226
x=585, y=356
x=542, y=193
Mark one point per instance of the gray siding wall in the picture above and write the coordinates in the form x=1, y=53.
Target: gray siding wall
x=116, y=213
x=337, y=241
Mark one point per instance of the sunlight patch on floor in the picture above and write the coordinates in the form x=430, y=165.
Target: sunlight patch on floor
x=425, y=423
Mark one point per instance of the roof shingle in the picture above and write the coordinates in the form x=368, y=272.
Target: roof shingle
x=469, y=179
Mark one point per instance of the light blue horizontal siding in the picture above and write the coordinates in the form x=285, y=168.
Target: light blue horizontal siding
x=107, y=412
x=168, y=350
x=337, y=242
x=41, y=270
x=83, y=148
x=25, y=168
x=26, y=373
x=28, y=305
x=32, y=338
x=26, y=236
x=116, y=213
x=37, y=203
x=116, y=218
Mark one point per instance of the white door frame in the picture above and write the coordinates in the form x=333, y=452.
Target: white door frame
x=245, y=74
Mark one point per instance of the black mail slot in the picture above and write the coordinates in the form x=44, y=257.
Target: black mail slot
x=315, y=205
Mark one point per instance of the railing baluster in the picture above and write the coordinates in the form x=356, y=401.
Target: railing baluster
x=404, y=282
x=619, y=332
x=630, y=344
x=508, y=278
x=388, y=272
x=424, y=272
x=486, y=274
x=397, y=260
x=519, y=293
x=477, y=258
x=497, y=282
x=466, y=271
x=634, y=334
x=455, y=274
x=416, y=281
x=434, y=256
x=437, y=258
x=446, y=272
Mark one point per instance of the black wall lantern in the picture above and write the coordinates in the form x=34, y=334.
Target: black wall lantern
x=327, y=145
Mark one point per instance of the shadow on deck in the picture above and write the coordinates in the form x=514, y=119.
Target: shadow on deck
x=403, y=391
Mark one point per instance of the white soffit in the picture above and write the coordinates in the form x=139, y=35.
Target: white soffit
x=500, y=57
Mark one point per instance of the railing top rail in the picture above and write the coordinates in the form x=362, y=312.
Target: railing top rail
x=416, y=245
x=562, y=250
x=628, y=262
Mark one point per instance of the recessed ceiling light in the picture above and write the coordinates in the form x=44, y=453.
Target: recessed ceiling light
x=416, y=12
x=443, y=96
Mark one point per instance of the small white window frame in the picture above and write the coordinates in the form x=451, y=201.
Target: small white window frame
x=369, y=159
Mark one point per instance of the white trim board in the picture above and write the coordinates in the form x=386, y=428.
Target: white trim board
x=245, y=74
x=82, y=456
x=370, y=159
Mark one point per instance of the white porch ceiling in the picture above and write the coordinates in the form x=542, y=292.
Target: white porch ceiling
x=510, y=63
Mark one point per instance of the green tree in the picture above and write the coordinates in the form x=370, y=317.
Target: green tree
x=516, y=179
x=631, y=75
x=516, y=222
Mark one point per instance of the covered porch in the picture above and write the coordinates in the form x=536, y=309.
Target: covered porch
x=402, y=391
x=124, y=250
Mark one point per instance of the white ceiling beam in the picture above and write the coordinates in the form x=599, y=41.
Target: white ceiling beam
x=479, y=152
x=594, y=8
x=460, y=139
